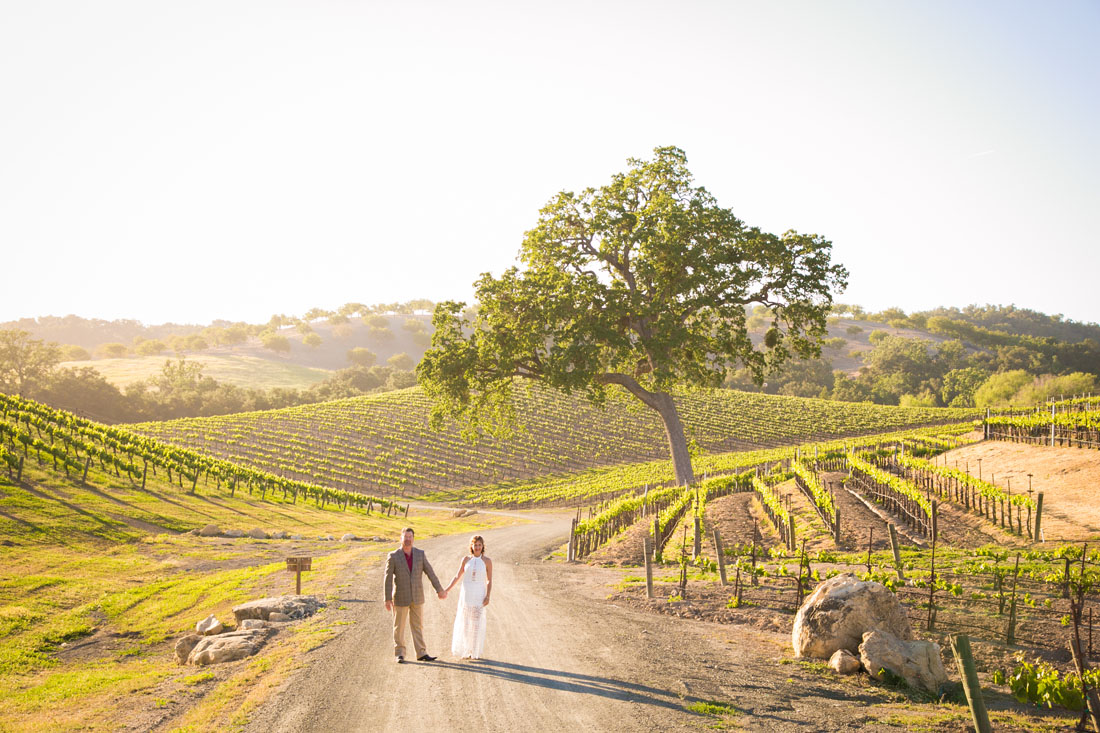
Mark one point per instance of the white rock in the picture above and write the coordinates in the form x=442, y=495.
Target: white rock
x=280, y=535
x=293, y=606
x=257, y=534
x=349, y=537
x=227, y=647
x=844, y=662
x=209, y=626
x=234, y=533
x=276, y=617
x=252, y=623
x=840, y=611
x=470, y=512
x=458, y=512
x=917, y=662
x=210, y=530
x=185, y=645
x=295, y=536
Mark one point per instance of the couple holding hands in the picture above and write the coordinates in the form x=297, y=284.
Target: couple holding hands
x=404, y=594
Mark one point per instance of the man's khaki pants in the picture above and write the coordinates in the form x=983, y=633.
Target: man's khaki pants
x=412, y=614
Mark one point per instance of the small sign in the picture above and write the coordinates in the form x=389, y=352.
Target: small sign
x=299, y=563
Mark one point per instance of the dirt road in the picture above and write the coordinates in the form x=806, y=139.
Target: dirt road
x=558, y=656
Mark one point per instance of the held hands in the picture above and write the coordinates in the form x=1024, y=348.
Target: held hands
x=442, y=594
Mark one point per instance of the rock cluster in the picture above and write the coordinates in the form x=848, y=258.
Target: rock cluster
x=293, y=607
x=846, y=616
x=463, y=512
x=212, y=644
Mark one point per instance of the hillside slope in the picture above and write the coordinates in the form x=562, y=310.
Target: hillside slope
x=382, y=443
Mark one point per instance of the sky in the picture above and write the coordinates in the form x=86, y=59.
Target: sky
x=192, y=161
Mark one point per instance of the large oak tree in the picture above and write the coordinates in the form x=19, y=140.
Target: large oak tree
x=642, y=283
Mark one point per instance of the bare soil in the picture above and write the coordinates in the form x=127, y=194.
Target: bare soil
x=1068, y=477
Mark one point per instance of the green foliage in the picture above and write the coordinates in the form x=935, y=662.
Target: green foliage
x=402, y=361
x=24, y=362
x=274, y=341
x=312, y=340
x=363, y=357
x=1041, y=684
x=642, y=283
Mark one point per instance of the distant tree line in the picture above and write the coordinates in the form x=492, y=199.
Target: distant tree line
x=30, y=367
x=978, y=365
x=82, y=339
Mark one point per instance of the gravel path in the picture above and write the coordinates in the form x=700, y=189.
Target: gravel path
x=558, y=657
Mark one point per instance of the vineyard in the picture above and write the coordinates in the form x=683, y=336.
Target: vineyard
x=382, y=444
x=70, y=444
x=1073, y=423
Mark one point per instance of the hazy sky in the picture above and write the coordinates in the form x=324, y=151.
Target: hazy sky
x=187, y=161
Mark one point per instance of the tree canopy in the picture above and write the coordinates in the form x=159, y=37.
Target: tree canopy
x=641, y=283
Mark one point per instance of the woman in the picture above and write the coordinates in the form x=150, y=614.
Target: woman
x=476, y=574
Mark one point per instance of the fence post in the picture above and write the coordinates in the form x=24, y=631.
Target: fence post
x=1038, y=517
x=960, y=646
x=648, y=569
x=697, y=547
x=790, y=531
x=836, y=524
x=721, y=556
x=571, y=555
x=897, y=552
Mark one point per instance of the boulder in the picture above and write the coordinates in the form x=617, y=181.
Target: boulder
x=227, y=647
x=277, y=618
x=185, y=645
x=917, y=662
x=210, y=530
x=292, y=606
x=349, y=537
x=844, y=662
x=257, y=534
x=470, y=512
x=326, y=537
x=295, y=536
x=458, y=512
x=252, y=623
x=234, y=533
x=840, y=611
x=209, y=626
x=280, y=535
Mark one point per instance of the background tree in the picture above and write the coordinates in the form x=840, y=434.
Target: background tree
x=642, y=283
x=113, y=350
x=312, y=340
x=360, y=356
x=151, y=347
x=275, y=342
x=401, y=361
x=25, y=362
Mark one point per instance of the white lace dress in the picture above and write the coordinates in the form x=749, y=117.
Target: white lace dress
x=468, y=639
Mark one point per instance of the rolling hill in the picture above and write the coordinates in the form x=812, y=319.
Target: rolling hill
x=382, y=443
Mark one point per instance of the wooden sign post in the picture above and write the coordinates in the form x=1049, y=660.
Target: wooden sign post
x=297, y=565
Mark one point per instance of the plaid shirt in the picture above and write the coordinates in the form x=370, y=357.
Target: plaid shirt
x=409, y=586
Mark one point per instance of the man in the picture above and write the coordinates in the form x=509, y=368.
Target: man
x=403, y=569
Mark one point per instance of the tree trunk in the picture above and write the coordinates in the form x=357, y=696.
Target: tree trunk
x=677, y=442
x=664, y=405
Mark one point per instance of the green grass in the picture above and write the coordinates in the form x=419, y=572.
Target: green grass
x=241, y=371
x=80, y=570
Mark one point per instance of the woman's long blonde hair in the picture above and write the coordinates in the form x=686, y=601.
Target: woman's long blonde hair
x=477, y=538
